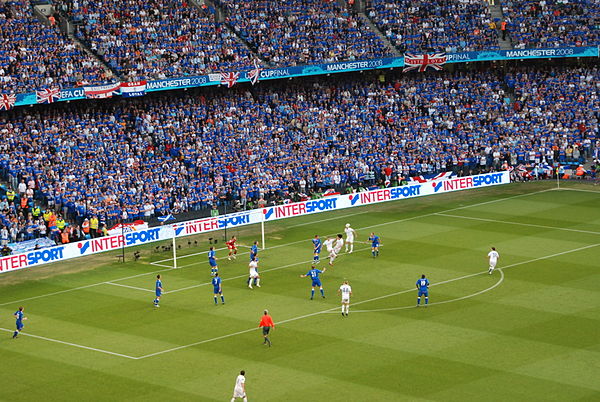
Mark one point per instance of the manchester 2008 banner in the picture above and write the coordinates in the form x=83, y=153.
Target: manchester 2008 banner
x=258, y=74
x=139, y=237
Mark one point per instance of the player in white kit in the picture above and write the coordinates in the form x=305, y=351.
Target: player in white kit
x=239, y=391
x=346, y=291
x=493, y=257
x=350, y=233
x=338, y=243
x=253, y=273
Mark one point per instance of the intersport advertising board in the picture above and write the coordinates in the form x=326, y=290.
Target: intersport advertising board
x=205, y=225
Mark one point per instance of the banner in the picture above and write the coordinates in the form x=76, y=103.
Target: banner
x=258, y=74
x=132, y=89
x=102, y=92
x=421, y=62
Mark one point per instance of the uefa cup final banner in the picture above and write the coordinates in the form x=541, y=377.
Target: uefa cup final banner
x=325, y=204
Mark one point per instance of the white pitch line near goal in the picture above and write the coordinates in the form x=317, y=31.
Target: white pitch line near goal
x=518, y=223
x=129, y=287
x=108, y=352
x=374, y=299
x=277, y=246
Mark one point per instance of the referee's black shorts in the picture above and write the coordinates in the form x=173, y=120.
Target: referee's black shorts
x=266, y=330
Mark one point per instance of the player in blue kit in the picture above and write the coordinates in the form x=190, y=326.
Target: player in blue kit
x=19, y=317
x=317, y=249
x=217, y=290
x=254, y=251
x=423, y=288
x=314, y=275
x=159, y=290
x=212, y=261
x=374, y=244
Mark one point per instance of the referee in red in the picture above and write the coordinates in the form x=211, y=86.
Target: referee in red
x=266, y=322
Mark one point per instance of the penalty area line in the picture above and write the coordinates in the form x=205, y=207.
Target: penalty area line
x=517, y=223
x=130, y=287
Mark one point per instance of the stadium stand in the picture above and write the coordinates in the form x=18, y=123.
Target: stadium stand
x=304, y=31
x=155, y=40
x=435, y=25
x=252, y=146
x=34, y=56
x=553, y=23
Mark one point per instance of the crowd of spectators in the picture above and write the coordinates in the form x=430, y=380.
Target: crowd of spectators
x=35, y=56
x=253, y=145
x=553, y=23
x=303, y=31
x=435, y=25
x=157, y=39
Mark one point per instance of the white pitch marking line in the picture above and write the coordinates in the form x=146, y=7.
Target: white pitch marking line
x=328, y=219
x=130, y=287
x=281, y=245
x=108, y=352
x=367, y=301
x=519, y=223
x=578, y=189
x=498, y=283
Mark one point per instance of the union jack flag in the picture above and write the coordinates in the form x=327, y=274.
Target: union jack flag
x=229, y=78
x=254, y=74
x=7, y=101
x=48, y=95
x=422, y=61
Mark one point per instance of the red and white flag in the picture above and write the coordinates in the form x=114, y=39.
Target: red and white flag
x=229, y=78
x=103, y=91
x=254, y=74
x=131, y=89
x=7, y=101
x=422, y=61
x=48, y=95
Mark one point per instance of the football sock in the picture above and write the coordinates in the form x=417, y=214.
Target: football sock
x=312, y=293
x=322, y=292
x=232, y=399
x=373, y=252
x=352, y=247
x=418, y=301
x=215, y=299
x=315, y=258
x=426, y=300
x=377, y=253
x=343, y=309
x=268, y=341
x=223, y=299
x=258, y=282
x=245, y=399
x=15, y=334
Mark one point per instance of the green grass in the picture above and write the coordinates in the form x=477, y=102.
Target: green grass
x=527, y=333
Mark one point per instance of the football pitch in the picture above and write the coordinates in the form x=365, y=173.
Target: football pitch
x=528, y=332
